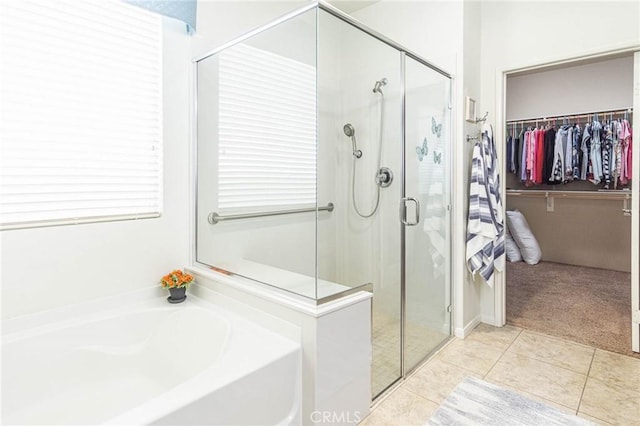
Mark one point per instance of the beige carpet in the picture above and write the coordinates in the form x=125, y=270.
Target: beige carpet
x=586, y=305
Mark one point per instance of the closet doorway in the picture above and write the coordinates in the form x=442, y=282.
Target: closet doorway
x=584, y=218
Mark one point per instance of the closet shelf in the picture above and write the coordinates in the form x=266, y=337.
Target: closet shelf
x=586, y=195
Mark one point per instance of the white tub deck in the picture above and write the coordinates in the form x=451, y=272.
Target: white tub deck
x=149, y=363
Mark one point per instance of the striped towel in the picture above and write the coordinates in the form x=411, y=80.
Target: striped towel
x=485, y=227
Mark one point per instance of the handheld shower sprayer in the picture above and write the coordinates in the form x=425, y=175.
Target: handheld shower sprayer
x=383, y=176
x=350, y=131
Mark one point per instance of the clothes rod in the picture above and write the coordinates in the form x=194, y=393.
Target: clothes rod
x=619, y=111
x=215, y=217
x=586, y=195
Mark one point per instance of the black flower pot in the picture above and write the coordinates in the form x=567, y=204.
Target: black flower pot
x=177, y=294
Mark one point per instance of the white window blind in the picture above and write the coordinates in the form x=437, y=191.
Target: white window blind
x=267, y=130
x=80, y=112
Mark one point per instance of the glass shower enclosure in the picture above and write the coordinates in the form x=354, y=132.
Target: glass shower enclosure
x=323, y=155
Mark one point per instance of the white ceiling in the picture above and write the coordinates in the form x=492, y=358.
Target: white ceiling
x=351, y=6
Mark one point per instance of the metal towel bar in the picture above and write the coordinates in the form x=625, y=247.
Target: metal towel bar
x=215, y=217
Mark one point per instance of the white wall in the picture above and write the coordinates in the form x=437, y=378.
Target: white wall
x=43, y=268
x=567, y=29
x=468, y=295
x=431, y=29
x=587, y=87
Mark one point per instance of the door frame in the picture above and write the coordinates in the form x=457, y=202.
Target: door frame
x=500, y=305
x=635, y=214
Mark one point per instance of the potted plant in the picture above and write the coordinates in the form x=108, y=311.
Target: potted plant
x=177, y=282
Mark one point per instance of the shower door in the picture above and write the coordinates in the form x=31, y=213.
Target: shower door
x=425, y=212
x=380, y=111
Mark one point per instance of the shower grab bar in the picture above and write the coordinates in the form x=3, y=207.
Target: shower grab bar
x=215, y=217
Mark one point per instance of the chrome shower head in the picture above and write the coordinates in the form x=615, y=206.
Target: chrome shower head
x=349, y=130
x=379, y=84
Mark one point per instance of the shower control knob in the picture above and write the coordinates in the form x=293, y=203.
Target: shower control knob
x=357, y=153
x=384, y=177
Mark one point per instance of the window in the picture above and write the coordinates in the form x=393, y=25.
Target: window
x=267, y=130
x=80, y=112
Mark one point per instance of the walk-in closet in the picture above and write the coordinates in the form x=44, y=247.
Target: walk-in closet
x=568, y=145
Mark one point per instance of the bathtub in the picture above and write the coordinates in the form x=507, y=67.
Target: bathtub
x=150, y=363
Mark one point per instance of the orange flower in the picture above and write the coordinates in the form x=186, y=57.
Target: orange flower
x=166, y=281
x=176, y=278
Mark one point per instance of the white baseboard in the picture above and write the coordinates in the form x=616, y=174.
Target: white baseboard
x=467, y=329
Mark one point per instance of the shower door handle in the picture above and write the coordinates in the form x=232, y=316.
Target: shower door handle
x=403, y=211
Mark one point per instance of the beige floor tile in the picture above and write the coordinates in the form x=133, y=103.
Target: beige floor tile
x=572, y=356
x=619, y=370
x=402, y=407
x=611, y=403
x=498, y=337
x=547, y=381
x=436, y=379
x=594, y=420
x=472, y=355
x=542, y=368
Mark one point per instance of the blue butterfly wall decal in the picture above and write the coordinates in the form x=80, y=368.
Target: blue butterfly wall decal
x=437, y=157
x=436, y=129
x=423, y=150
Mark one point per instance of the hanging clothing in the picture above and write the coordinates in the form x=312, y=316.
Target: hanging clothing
x=549, y=147
x=515, y=162
x=616, y=153
x=539, y=177
x=599, y=152
x=518, y=158
x=557, y=174
x=531, y=157
x=626, y=144
x=524, y=155
x=576, y=153
x=510, y=154
x=585, y=147
x=607, y=150
x=567, y=147
x=596, y=152
x=485, y=251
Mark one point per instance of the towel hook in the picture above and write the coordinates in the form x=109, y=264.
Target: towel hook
x=483, y=119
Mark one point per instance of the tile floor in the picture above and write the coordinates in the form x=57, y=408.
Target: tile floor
x=601, y=386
